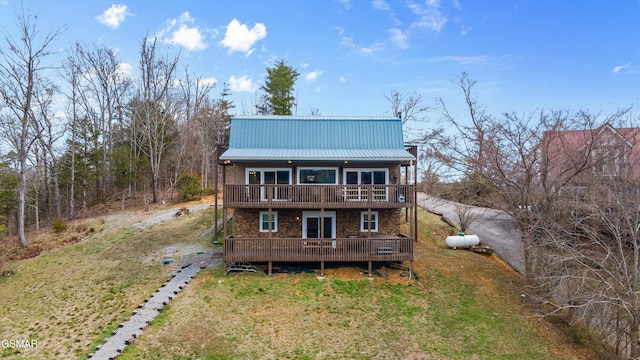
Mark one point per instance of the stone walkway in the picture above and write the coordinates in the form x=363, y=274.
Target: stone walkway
x=128, y=331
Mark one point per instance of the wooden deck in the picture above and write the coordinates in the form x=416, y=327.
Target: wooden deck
x=319, y=196
x=392, y=248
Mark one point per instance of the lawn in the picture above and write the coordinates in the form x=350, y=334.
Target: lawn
x=462, y=305
x=69, y=299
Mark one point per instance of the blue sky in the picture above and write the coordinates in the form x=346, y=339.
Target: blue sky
x=524, y=55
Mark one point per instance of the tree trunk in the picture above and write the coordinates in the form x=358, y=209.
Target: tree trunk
x=22, y=189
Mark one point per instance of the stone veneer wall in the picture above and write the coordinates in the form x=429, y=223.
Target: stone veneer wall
x=246, y=223
x=348, y=222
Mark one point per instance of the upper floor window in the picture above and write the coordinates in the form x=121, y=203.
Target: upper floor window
x=317, y=175
x=257, y=176
x=267, y=176
x=365, y=176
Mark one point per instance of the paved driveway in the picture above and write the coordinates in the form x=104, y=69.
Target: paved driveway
x=494, y=227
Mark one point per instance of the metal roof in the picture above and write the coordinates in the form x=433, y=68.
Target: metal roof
x=322, y=138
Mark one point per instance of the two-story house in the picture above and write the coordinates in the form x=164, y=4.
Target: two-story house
x=318, y=189
x=604, y=151
x=588, y=165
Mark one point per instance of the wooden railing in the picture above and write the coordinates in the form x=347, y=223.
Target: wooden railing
x=319, y=196
x=391, y=248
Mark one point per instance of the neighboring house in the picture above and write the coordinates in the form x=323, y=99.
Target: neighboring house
x=605, y=152
x=584, y=164
x=318, y=189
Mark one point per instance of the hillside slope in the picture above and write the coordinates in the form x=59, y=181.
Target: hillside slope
x=462, y=306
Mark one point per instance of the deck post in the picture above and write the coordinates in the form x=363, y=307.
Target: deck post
x=370, y=268
x=224, y=206
x=322, y=268
x=410, y=269
x=270, y=267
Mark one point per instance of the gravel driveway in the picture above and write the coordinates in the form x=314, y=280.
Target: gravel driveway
x=496, y=228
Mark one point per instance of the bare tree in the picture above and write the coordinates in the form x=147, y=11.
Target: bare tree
x=104, y=90
x=411, y=109
x=408, y=107
x=193, y=140
x=73, y=76
x=468, y=215
x=21, y=66
x=154, y=108
x=571, y=181
x=48, y=133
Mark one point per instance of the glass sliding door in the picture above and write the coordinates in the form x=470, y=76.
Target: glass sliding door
x=374, y=178
x=269, y=177
x=311, y=224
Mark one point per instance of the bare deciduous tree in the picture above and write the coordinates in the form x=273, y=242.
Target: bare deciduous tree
x=154, y=108
x=571, y=180
x=21, y=66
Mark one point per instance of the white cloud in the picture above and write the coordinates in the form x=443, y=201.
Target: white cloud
x=113, y=16
x=373, y=48
x=242, y=84
x=619, y=68
x=381, y=5
x=210, y=81
x=464, y=30
x=313, y=76
x=429, y=16
x=343, y=79
x=239, y=37
x=125, y=69
x=399, y=38
x=190, y=37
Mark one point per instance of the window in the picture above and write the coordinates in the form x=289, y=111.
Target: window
x=317, y=176
x=365, y=176
x=376, y=177
x=366, y=223
x=264, y=221
x=266, y=176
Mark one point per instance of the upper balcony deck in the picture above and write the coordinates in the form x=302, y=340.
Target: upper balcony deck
x=319, y=196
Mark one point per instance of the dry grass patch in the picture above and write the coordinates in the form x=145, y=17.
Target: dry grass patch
x=70, y=298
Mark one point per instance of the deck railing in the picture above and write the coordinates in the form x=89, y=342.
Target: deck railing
x=391, y=248
x=319, y=196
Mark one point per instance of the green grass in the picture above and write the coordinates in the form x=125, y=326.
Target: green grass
x=464, y=306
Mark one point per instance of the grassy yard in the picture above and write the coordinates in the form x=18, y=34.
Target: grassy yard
x=462, y=306
x=70, y=299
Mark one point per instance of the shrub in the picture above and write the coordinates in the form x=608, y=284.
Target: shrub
x=59, y=225
x=189, y=187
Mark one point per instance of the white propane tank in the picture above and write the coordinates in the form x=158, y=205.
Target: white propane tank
x=462, y=241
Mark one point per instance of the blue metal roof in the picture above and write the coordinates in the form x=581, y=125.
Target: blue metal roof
x=294, y=137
